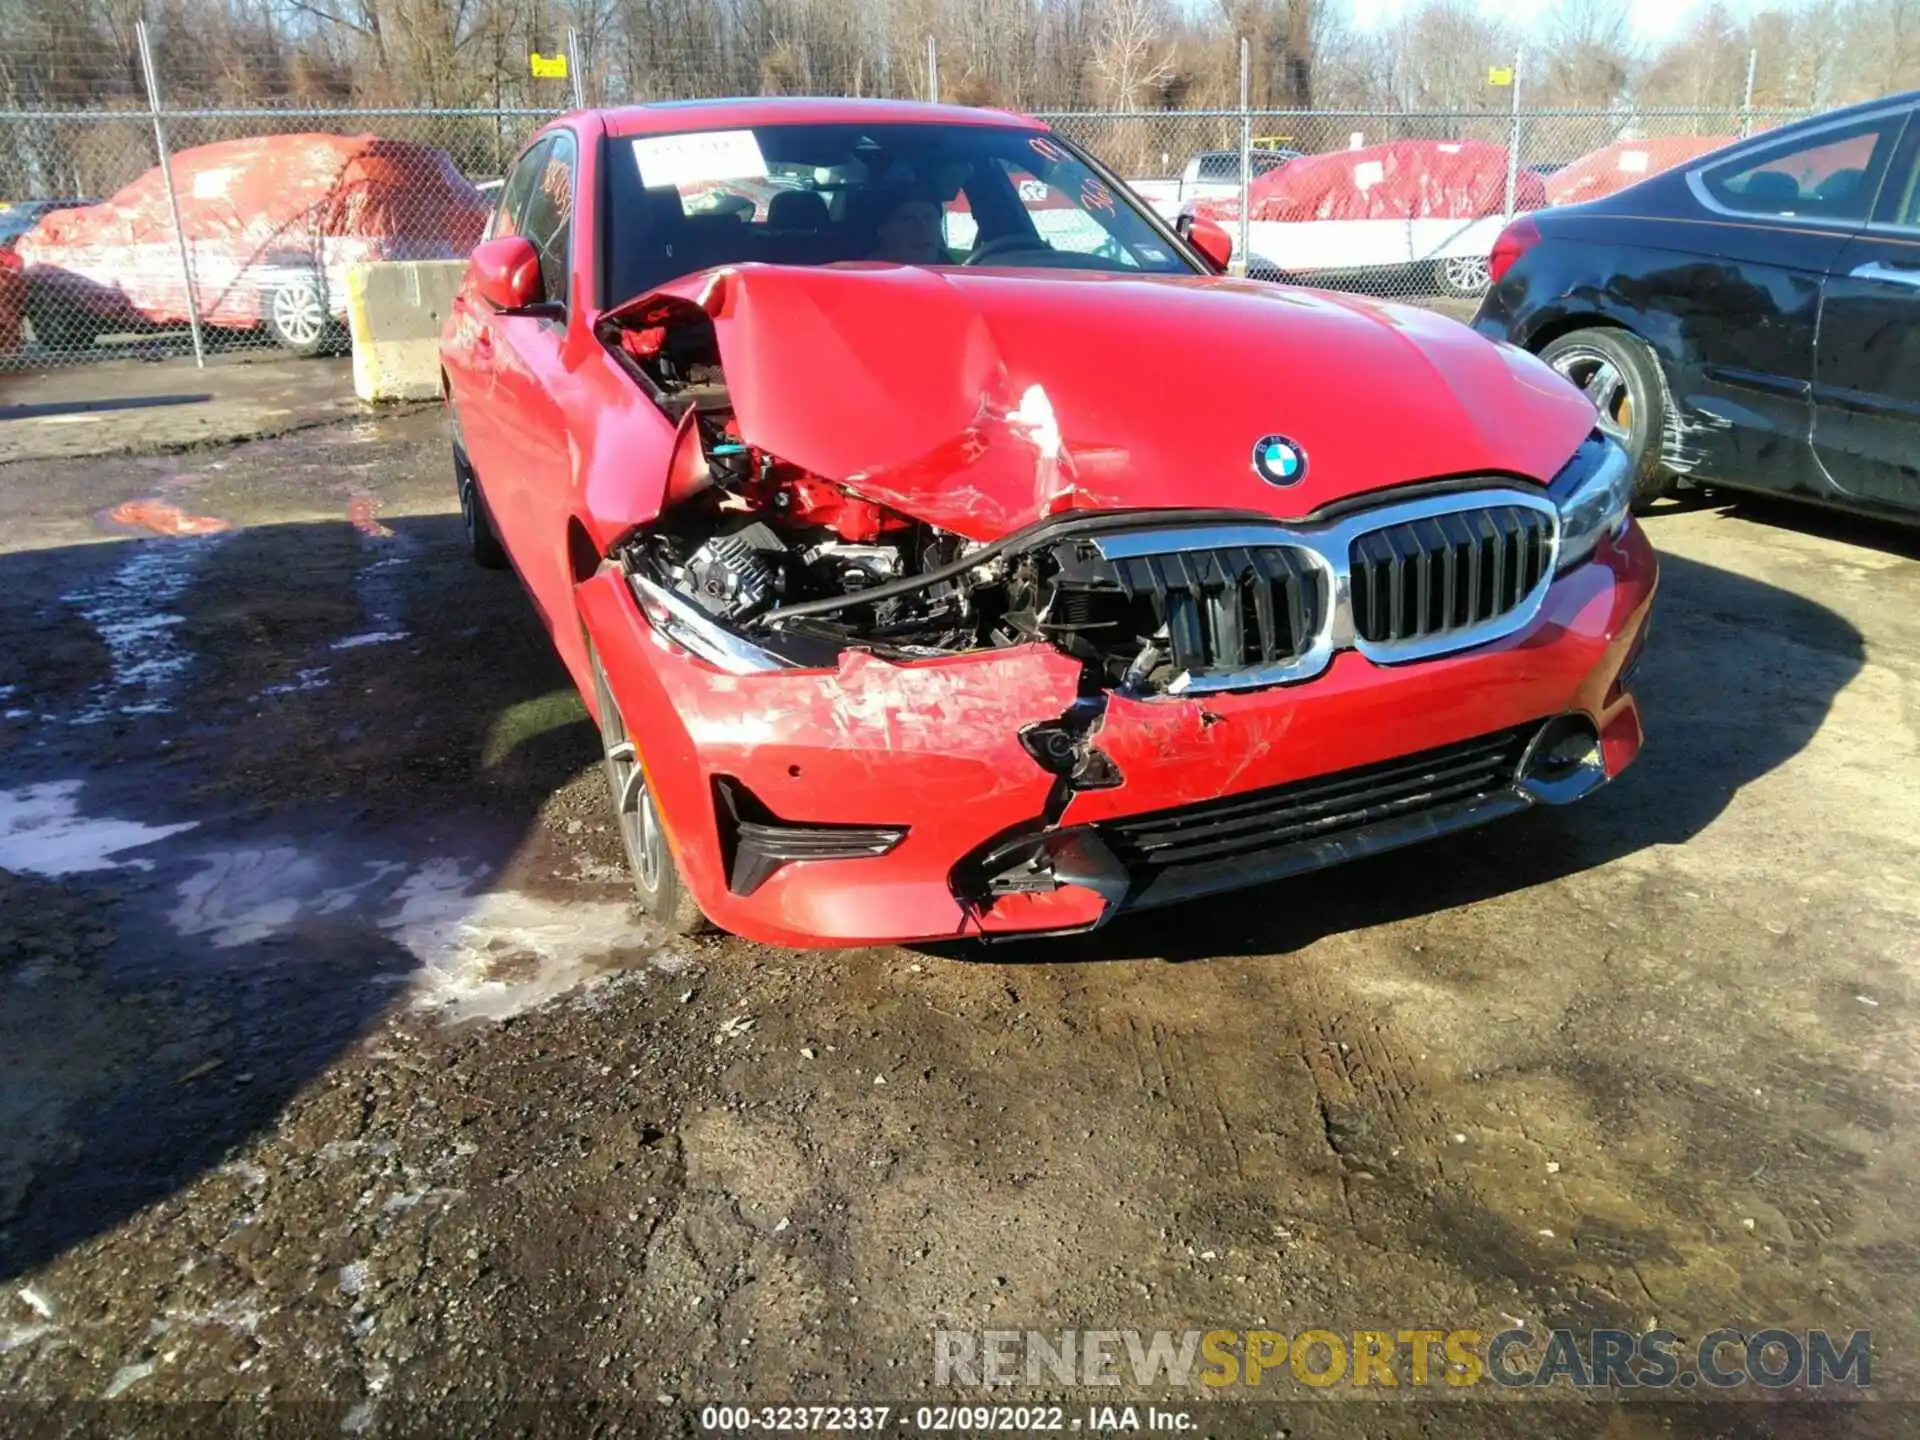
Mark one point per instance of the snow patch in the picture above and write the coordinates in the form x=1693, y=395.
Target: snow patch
x=130, y=610
x=312, y=678
x=43, y=832
x=496, y=954
x=479, y=953
x=370, y=637
x=125, y=1378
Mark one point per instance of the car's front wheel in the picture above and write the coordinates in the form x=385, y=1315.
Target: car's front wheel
x=657, y=882
x=482, y=543
x=297, y=317
x=1464, y=277
x=1620, y=374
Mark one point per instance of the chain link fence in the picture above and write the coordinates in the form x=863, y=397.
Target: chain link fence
x=1398, y=204
x=242, y=241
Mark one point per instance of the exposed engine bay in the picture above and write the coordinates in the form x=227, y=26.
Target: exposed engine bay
x=800, y=567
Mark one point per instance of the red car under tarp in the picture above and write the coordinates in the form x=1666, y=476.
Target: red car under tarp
x=1626, y=162
x=1396, y=180
x=254, y=211
x=13, y=301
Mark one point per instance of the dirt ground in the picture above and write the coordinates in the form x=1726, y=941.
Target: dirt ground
x=340, y=1077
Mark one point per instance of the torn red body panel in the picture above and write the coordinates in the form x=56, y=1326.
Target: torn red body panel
x=919, y=601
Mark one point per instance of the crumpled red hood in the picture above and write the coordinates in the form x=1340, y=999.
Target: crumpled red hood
x=982, y=400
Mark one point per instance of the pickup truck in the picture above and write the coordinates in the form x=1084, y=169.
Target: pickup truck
x=1210, y=175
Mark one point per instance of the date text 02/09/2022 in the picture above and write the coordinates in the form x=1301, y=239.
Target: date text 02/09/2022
x=940, y=1419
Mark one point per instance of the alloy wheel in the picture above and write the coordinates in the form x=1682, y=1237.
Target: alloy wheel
x=298, y=314
x=638, y=825
x=1466, y=274
x=1600, y=380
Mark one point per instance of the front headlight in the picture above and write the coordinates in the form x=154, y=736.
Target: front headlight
x=696, y=632
x=1594, y=494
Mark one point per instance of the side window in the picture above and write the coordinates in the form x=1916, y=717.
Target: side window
x=1219, y=166
x=513, y=194
x=548, y=218
x=1900, y=199
x=1829, y=176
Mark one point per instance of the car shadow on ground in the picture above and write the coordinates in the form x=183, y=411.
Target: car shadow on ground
x=1839, y=525
x=1737, y=678
x=254, y=782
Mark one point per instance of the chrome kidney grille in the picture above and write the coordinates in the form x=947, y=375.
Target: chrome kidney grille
x=1256, y=603
x=1433, y=576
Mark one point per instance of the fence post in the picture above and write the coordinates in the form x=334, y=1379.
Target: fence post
x=1746, y=100
x=173, y=200
x=1513, y=142
x=1239, y=266
x=576, y=71
x=933, y=69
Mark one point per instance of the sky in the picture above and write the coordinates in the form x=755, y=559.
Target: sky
x=1653, y=20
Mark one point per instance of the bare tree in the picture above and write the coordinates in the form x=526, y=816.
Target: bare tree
x=1130, y=49
x=1587, y=53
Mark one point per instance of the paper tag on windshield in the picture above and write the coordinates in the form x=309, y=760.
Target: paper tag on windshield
x=709, y=155
x=1634, y=161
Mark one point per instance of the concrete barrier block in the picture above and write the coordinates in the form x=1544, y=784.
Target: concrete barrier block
x=395, y=312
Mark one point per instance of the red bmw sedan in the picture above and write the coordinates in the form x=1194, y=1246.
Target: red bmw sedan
x=945, y=547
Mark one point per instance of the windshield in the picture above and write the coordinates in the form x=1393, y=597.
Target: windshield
x=816, y=194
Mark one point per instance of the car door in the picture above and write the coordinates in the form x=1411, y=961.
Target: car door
x=531, y=452
x=1746, y=297
x=469, y=351
x=1866, y=394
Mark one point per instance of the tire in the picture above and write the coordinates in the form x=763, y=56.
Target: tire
x=296, y=316
x=657, y=882
x=1619, y=372
x=1463, y=277
x=482, y=541
x=59, y=324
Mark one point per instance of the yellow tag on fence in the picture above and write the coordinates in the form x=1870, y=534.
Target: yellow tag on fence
x=548, y=67
x=1496, y=74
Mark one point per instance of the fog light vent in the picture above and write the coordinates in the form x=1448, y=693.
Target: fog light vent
x=755, y=843
x=1564, y=761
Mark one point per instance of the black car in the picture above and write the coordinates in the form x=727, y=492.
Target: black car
x=1750, y=319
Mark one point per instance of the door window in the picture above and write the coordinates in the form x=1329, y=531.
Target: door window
x=1900, y=206
x=548, y=218
x=1829, y=176
x=513, y=194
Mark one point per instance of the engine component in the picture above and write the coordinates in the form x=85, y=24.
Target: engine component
x=855, y=567
x=732, y=578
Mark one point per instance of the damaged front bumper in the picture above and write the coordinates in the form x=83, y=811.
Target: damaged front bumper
x=959, y=796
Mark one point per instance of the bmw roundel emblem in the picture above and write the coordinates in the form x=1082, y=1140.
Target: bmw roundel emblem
x=1278, y=461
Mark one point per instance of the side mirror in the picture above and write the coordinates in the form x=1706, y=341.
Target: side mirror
x=1213, y=243
x=505, y=271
